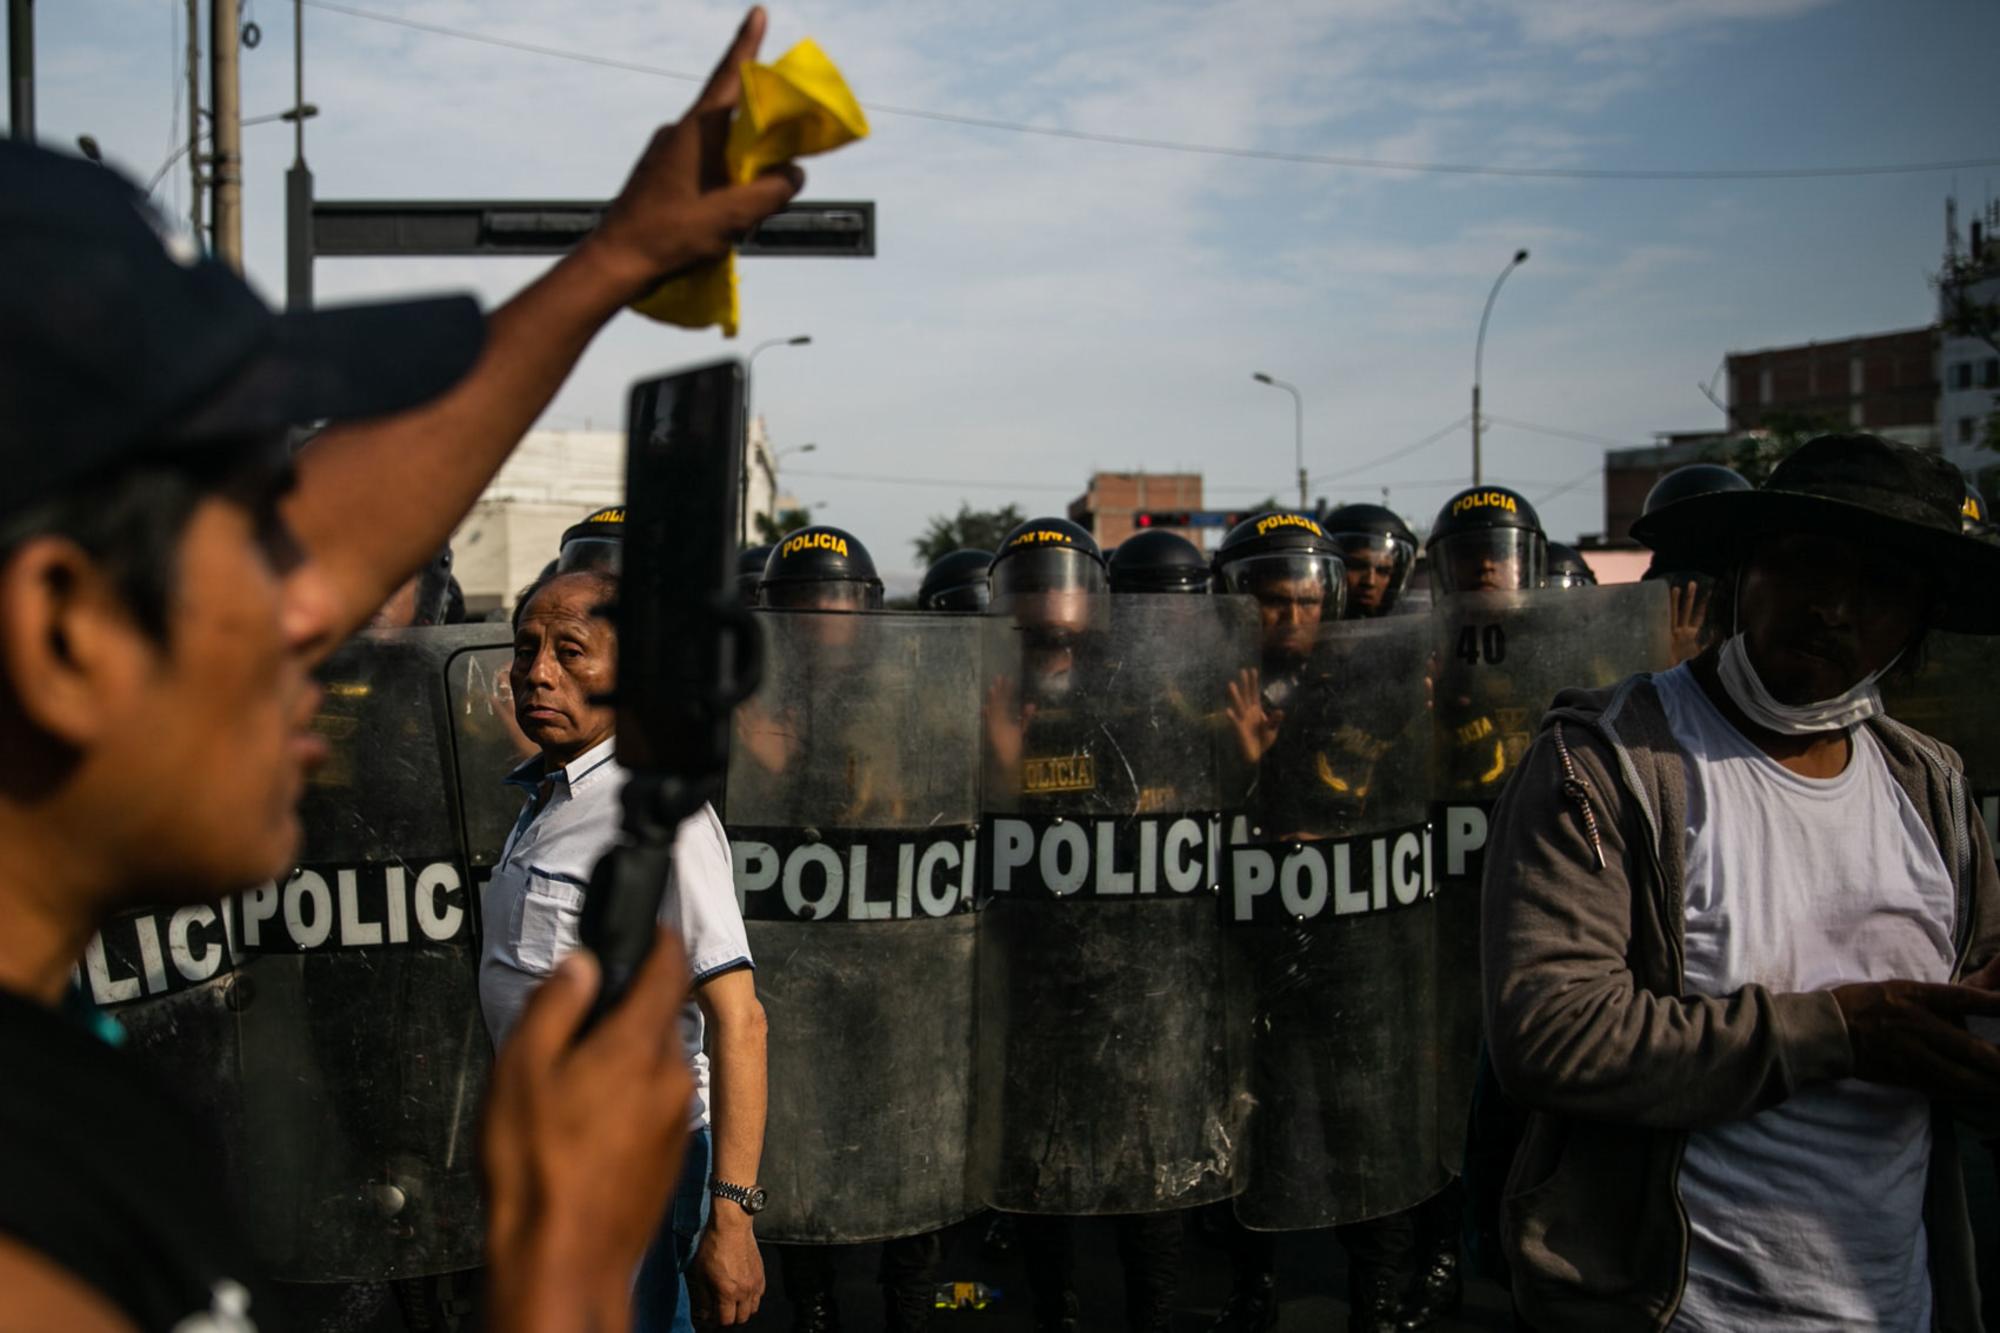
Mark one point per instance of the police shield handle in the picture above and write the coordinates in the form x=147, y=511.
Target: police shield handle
x=582, y=1144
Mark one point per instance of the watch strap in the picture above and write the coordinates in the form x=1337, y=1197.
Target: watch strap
x=746, y=1197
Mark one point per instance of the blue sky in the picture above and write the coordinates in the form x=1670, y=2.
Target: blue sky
x=1042, y=307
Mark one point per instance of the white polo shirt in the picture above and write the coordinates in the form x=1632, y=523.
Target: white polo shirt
x=535, y=899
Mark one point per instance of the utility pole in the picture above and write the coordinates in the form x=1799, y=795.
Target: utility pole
x=198, y=182
x=226, y=167
x=21, y=70
x=298, y=180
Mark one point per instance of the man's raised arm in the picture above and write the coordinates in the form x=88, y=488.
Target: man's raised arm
x=376, y=499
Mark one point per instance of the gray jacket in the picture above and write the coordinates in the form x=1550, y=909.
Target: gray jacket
x=1588, y=1025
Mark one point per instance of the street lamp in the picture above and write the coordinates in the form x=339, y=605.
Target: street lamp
x=1479, y=353
x=749, y=392
x=1298, y=427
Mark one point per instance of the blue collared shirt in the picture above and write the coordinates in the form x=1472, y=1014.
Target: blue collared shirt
x=535, y=900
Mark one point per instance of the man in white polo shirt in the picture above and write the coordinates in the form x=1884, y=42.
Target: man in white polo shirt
x=564, y=658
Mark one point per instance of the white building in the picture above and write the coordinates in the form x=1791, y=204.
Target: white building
x=553, y=480
x=1968, y=367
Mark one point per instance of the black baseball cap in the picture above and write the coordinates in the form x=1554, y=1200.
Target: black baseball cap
x=119, y=341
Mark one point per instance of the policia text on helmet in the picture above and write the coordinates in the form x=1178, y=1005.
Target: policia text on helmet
x=1294, y=570
x=820, y=569
x=1487, y=539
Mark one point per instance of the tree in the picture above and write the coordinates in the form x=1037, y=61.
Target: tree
x=980, y=529
x=773, y=530
x=1754, y=453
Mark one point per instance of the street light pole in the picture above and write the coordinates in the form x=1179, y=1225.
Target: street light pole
x=749, y=391
x=1479, y=354
x=1298, y=428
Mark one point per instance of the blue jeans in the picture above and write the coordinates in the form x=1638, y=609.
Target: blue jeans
x=660, y=1296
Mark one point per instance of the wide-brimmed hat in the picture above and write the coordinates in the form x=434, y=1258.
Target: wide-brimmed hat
x=1860, y=487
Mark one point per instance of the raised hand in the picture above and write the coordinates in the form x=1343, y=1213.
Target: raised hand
x=679, y=207
x=1256, y=726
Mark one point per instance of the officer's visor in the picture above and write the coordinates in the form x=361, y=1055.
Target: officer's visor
x=1488, y=560
x=1047, y=569
x=1302, y=583
x=580, y=553
x=822, y=595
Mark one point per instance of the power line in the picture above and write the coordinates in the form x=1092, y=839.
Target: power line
x=903, y=479
x=1561, y=434
x=1570, y=485
x=1217, y=150
x=1393, y=454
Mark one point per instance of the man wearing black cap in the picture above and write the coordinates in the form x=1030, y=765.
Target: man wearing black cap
x=1734, y=922
x=167, y=584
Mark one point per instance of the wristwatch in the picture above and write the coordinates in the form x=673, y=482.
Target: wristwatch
x=750, y=1199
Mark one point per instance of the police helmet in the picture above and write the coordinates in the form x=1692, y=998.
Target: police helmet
x=820, y=569
x=956, y=581
x=1158, y=561
x=1568, y=569
x=1972, y=514
x=1694, y=479
x=1046, y=555
x=1279, y=556
x=596, y=543
x=750, y=563
x=1486, y=538
x=1379, y=550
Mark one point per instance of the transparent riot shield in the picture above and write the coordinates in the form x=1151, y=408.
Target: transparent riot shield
x=851, y=806
x=1498, y=661
x=1949, y=697
x=1332, y=924
x=1110, y=1051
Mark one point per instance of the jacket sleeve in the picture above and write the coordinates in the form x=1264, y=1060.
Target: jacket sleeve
x=1982, y=944
x=1569, y=1028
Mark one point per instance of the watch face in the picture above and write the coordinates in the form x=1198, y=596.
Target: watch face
x=758, y=1198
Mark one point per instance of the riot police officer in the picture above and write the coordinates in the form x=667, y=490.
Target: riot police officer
x=1379, y=551
x=1486, y=539
x=1688, y=590
x=1294, y=571
x=1972, y=514
x=1157, y=560
x=598, y=542
x=957, y=581
x=820, y=568
x=750, y=563
x=829, y=570
x=1568, y=569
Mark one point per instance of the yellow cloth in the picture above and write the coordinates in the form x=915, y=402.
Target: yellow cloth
x=794, y=108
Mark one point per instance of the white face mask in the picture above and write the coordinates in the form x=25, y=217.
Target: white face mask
x=1849, y=708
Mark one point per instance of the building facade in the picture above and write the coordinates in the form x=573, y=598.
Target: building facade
x=1969, y=324
x=1882, y=383
x=1109, y=505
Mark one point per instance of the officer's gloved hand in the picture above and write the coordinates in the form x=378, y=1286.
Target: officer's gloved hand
x=582, y=1144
